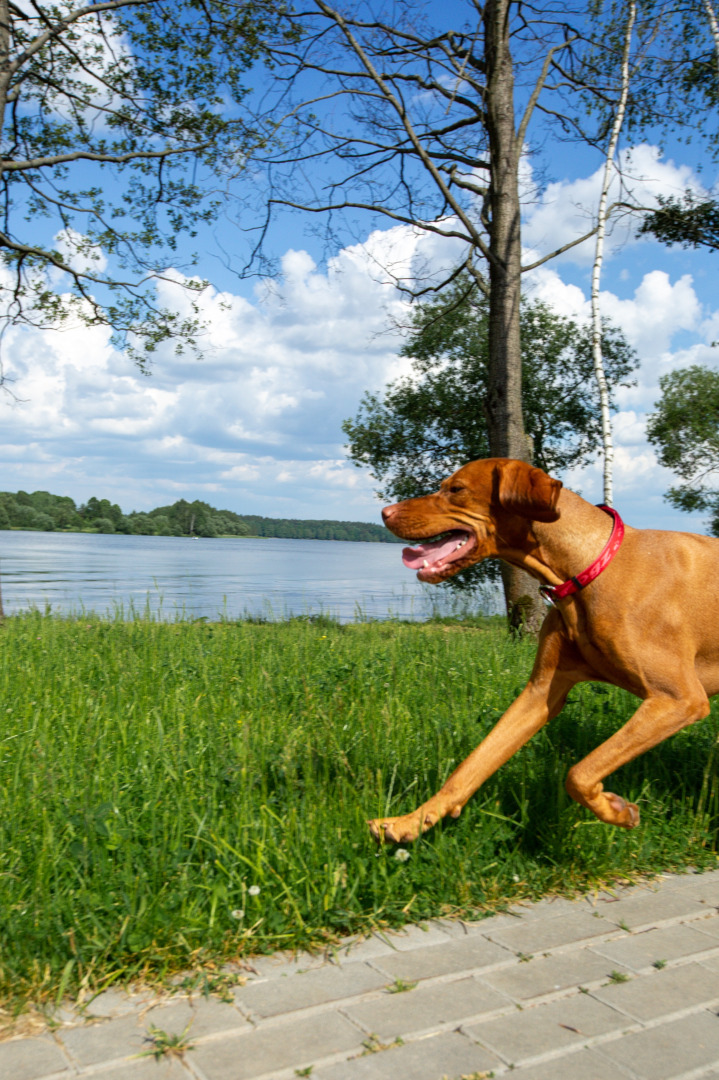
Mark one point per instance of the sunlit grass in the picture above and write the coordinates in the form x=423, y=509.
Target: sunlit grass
x=173, y=795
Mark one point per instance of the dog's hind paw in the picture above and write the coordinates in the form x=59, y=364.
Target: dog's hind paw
x=625, y=814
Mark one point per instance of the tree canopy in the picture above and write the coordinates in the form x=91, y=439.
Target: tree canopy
x=426, y=424
x=690, y=220
x=45, y=512
x=121, y=123
x=685, y=431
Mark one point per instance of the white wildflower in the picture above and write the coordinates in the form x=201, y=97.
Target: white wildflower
x=401, y=855
x=238, y=913
x=254, y=890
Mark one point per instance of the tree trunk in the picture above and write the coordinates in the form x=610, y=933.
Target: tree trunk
x=507, y=436
x=714, y=26
x=599, y=373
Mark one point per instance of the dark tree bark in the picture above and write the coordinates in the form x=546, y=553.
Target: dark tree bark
x=507, y=435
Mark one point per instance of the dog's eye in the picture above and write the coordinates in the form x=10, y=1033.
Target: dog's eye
x=456, y=488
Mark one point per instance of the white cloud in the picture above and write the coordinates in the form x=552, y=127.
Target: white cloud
x=658, y=310
x=566, y=209
x=263, y=408
x=567, y=300
x=651, y=317
x=256, y=424
x=79, y=253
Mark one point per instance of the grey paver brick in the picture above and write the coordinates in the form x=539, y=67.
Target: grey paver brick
x=703, y=887
x=450, y=1054
x=669, y=943
x=112, y=1002
x=691, y=873
x=280, y=965
x=668, y=1050
x=104, y=1041
x=453, y=956
x=651, y=908
x=539, y=935
x=426, y=1009
x=549, y=908
x=611, y=893
x=671, y=990
x=66, y=1014
x=462, y=928
x=579, y=1065
x=705, y=892
x=292, y=1045
x=489, y=925
x=147, y=1069
x=709, y=922
x=549, y=975
x=352, y=949
x=204, y=1017
x=32, y=1059
x=545, y=1029
x=329, y=983
x=413, y=937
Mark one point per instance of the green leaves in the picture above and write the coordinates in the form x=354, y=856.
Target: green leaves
x=685, y=431
x=689, y=221
x=426, y=425
x=117, y=128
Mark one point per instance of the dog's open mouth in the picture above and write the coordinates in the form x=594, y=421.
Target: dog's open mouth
x=433, y=556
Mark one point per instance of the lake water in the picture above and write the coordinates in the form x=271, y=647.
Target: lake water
x=173, y=576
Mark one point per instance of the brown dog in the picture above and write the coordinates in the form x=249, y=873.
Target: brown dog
x=647, y=622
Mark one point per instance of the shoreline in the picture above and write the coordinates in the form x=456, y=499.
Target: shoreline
x=174, y=536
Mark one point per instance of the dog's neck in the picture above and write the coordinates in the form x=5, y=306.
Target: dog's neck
x=554, y=551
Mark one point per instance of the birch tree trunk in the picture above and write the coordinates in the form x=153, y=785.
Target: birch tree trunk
x=714, y=24
x=599, y=374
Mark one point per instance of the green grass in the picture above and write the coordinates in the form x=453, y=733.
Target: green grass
x=176, y=795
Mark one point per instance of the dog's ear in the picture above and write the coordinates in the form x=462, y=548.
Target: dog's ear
x=524, y=490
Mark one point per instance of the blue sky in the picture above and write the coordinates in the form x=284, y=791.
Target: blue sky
x=255, y=426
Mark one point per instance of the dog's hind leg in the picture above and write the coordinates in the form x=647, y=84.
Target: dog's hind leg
x=657, y=718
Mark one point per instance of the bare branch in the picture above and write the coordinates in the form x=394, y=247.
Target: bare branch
x=391, y=98
x=538, y=87
x=560, y=250
x=105, y=159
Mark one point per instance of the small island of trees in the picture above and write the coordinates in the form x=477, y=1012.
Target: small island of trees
x=44, y=512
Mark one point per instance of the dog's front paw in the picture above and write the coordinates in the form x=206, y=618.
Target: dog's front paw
x=401, y=830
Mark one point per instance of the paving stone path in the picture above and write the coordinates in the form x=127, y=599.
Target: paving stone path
x=619, y=985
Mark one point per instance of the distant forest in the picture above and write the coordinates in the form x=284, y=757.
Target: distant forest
x=49, y=513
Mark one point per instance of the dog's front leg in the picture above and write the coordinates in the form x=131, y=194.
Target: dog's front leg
x=556, y=670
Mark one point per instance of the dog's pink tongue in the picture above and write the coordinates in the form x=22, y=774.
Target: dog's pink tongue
x=415, y=558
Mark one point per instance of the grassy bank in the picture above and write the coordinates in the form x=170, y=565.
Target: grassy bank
x=176, y=794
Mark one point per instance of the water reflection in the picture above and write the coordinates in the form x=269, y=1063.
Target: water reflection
x=170, y=576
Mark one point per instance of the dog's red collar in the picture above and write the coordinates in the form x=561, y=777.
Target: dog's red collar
x=554, y=593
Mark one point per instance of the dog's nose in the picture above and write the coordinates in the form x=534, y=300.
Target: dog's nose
x=387, y=513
